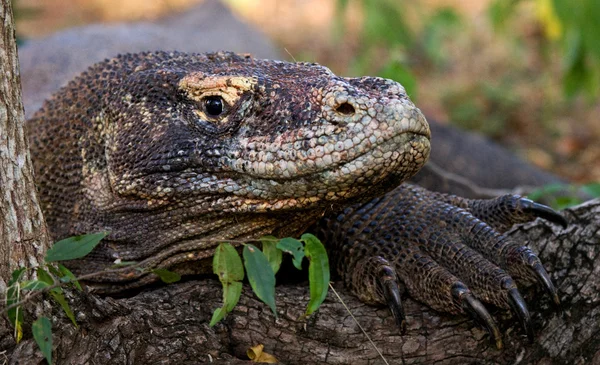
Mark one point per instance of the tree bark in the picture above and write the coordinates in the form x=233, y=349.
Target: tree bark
x=169, y=324
x=23, y=235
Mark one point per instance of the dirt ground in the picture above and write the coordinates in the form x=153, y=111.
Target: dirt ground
x=481, y=72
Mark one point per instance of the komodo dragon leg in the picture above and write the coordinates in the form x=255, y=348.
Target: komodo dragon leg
x=449, y=252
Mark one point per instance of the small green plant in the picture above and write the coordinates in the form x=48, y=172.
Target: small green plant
x=261, y=267
x=51, y=278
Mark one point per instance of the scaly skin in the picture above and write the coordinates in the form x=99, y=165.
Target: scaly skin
x=129, y=148
x=171, y=153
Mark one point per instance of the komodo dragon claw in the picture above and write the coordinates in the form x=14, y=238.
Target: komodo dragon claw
x=477, y=310
x=449, y=252
x=520, y=309
x=542, y=211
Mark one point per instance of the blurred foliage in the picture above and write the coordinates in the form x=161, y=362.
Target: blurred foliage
x=561, y=196
x=482, y=106
x=390, y=45
x=20, y=13
x=399, y=39
x=574, y=27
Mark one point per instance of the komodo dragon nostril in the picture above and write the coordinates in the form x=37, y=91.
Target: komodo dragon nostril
x=345, y=108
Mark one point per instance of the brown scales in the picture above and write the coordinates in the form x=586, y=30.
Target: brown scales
x=170, y=152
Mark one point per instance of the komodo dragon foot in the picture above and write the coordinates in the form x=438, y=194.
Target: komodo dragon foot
x=449, y=253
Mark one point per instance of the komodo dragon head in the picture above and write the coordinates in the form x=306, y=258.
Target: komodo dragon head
x=168, y=150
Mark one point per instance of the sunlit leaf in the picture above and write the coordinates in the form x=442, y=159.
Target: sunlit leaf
x=294, y=247
x=547, y=16
x=42, y=334
x=167, y=276
x=260, y=275
x=74, y=247
x=272, y=253
x=318, y=271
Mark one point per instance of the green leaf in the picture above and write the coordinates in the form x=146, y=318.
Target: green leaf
x=54, y=270
x=42, y=333
x=272, y=253
x=13, y=295
x=227, y=264
x=318, y=271
x=69, y=277
x=58, y=296
x=34, y=285
x=294, y=247
x=218, y=315
x=260, y=275
x=231, y=295
x=74, y=247
x=167, y=276
x=44, y=276
x=16, y=276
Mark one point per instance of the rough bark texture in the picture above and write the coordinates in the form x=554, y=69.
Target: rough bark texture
x=170, y=324
x=23, y=237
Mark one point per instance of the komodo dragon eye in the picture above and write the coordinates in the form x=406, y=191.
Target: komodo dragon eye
x=214, y=106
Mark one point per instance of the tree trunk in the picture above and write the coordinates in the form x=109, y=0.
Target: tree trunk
x=23, y=236
x=169, y=324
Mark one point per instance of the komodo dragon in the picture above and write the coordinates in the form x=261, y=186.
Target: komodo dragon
x=172, y=152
